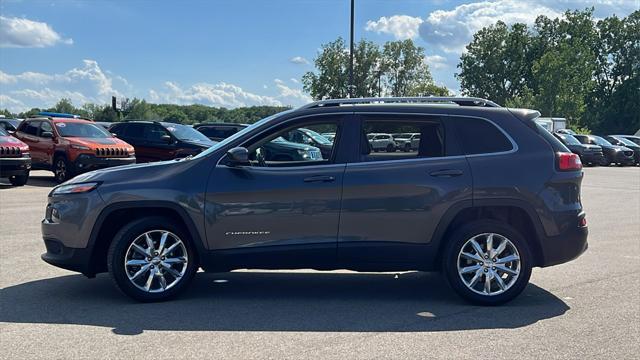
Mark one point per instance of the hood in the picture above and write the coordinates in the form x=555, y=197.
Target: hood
x=620, y=148
x=592, y=147
x=98, y=142
x=122, y=172
x=11, y=141
x=201, y=143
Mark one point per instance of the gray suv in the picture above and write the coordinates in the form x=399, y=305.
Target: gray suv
x=486, y=196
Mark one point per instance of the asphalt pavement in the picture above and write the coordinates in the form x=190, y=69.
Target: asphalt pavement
x=588, y=308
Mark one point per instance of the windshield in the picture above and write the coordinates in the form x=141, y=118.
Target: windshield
x=600, y=141
x=625, y=141
x=317, y=137
x=569, y=140
x=240, y=134
x=3, y=132
x=186, y=133
x=83, y=130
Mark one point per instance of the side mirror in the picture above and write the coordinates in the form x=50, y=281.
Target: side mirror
x=47, y=135
x=238, y=156
x=166, y=138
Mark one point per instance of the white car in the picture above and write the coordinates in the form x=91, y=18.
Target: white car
x=407, y=141
x=382, y=142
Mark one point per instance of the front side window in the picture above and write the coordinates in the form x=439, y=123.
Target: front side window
x=478, y=136
x=380, y=144
x=45, y=127
x=293, y=146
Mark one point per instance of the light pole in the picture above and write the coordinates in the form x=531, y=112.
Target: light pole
x=351, y=54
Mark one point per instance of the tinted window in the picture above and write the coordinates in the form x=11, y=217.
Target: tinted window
x=479, y=136
x=154, y=132
x=377, y=144
x=3, y=132
x=31, y=128
x=218, y=132
x=135, y=131
x=45, y=126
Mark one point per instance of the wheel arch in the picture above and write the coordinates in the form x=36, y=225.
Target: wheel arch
x=514, y=212
x=114, y=216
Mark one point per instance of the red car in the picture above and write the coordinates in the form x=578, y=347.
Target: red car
x=70, y=146
x=15, y=161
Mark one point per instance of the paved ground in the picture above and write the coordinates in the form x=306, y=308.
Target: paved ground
x=589, y=308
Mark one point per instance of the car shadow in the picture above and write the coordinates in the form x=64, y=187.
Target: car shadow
x=275, y=301
x=38, y=181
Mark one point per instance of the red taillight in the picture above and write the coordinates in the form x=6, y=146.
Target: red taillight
x=583, y=222
x=569, y=161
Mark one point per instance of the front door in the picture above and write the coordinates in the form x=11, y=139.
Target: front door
x=283, y=209
x=393, y=201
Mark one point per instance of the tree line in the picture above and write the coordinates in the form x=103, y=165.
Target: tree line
x=136, y=109
x=576, y=67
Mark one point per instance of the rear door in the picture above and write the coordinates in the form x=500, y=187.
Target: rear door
x=28, y=133
x=393, y=202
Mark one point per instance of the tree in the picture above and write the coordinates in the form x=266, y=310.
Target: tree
x=64, y=106
x=404, y=67
x=332, y=79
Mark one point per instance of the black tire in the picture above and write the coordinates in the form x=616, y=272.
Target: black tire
x=19, y=180
x=407, y=148
x=123, y=240
x=391, y=148
x=457, y=241
x=62, y=169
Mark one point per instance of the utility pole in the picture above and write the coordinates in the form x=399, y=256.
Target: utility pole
x=351, y=86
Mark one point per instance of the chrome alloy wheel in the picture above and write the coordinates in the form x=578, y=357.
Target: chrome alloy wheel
x=156, y=261
x=61, y=170
x=488, y=264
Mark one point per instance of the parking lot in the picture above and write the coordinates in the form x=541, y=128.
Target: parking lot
x=588, y=308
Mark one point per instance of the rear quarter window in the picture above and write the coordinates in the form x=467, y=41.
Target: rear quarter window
x=478, y=136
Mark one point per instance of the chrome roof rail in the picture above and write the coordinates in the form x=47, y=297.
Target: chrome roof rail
x=461, y=101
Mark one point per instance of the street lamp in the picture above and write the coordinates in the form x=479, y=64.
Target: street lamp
x=351, y=85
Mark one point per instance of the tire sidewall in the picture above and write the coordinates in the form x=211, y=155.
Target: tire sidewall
x=121, y=243
x=460, y=237
x=67, y=165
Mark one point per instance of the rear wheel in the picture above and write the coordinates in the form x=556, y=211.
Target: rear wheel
x=487, y=262
x=62, y=170
x=152, y=259
x=391, y=148
x=19, y=180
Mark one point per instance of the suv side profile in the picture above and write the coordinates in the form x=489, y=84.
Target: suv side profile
x=158, y=141
x=15, y=160
x=465, y=203
x=69, y=146
x=382, y=142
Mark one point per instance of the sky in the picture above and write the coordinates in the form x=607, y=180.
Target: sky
x=225, y=53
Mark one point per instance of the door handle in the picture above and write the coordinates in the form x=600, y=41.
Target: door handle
x=446, y=173
x=319, y=178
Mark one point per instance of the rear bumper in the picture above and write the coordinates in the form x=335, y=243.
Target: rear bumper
x=89, y=162
x=564, y=247
x=14, y=166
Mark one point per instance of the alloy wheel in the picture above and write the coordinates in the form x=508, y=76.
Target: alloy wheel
x=61, y=170
x=156, y=261
x=488, y=264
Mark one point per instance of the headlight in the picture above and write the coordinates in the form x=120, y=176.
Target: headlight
x=79, y=147
x=74, y=188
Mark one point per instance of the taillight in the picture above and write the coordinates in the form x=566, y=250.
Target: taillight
x=568, y=161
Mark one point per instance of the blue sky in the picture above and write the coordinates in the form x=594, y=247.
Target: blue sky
x=224, y=53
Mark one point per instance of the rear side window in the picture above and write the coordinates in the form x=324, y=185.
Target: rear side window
x=31, y=128
x=478, y=136
x=220, y=132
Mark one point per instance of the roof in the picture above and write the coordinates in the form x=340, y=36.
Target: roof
x=424, y=100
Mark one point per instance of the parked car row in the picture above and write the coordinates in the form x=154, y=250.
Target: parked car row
x=597, y=150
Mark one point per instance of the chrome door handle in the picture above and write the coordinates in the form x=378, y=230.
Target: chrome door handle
x=446, y=173
x=320, y=178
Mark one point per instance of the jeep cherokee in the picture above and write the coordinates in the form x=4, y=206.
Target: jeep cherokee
x=487, y=196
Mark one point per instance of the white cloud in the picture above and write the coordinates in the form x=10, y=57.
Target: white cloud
x=299, y=60
x=7, y=102
x=87, y=83
x=294, y=80
x=227, y=95
x=400, y=26
x=25, y=33
x=436, y=62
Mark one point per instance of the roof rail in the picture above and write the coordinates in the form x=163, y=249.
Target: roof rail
x=461, y=101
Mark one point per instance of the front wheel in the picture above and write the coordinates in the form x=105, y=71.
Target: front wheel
x=152, y=259
x=391, y=148
x=62, y=170
x=19, y=180
x=487, y=262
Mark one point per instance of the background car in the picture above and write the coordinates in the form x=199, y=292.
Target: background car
x=329, y=136
x=219, y=131
x=382, y=142
x=309, y=137
x=15, y=160
x=589, y=154
x=158, y=141
x=407, y=141
x=9, y=124
x=612, y=153
x=621, y=141
x=633, y=138
x=69, y=146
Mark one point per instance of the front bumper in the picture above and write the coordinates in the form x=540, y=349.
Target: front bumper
x=14, y=166
x=86, y=162
x=67, y=258
x=593, y=158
